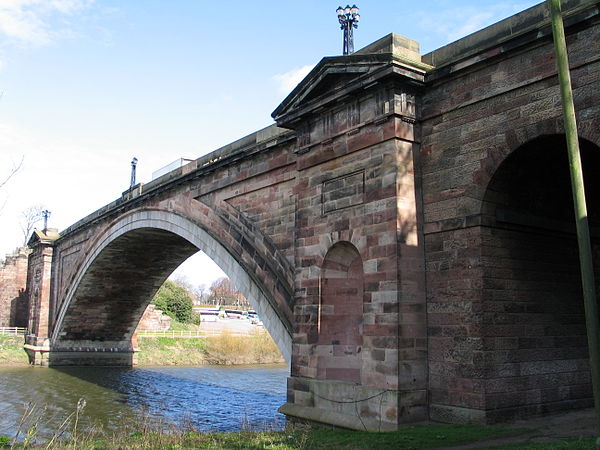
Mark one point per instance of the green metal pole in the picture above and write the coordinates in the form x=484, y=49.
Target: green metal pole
x=581, y=217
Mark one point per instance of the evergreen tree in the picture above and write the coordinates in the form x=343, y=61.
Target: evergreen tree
x=175, y=301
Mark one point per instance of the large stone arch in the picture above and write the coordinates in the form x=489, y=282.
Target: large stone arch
x=546, y=156
x=533, y=326
x=514, y=140
x=131, y=246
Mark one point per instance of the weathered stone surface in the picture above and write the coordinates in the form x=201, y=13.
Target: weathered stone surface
x=153, y=320
x=408, y=240
x=503, y=295
x=13, y=282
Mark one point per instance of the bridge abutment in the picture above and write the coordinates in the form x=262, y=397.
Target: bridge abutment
x=350, y=405
x=89, y=356
x=47, y=356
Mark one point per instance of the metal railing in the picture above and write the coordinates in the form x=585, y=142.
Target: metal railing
x=154, y=333
x=192, y=333
x=170, y=333
x=13, y=331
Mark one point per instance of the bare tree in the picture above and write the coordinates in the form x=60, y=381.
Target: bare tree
x=223, y=292
x=6, y=178
x=201, y=292
x=11, y=173
x=29, y=219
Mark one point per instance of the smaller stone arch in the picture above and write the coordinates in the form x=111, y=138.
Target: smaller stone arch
x=340, y=319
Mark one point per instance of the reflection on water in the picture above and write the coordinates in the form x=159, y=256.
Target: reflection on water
x=205, y=398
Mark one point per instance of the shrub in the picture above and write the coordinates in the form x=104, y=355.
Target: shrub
x=4, y=441
x=175, y=301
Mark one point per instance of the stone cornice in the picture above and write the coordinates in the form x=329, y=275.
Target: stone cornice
x=334, y=79
x=509, y=35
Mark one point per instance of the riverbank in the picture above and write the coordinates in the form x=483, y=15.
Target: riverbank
x=223, y=349
x=11, y=351
x=555, y=434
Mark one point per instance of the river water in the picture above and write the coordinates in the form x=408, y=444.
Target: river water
x=203, y=398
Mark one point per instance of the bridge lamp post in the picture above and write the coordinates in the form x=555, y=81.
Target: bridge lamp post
x=348, y=18
x=133, y=166
x=45, y=215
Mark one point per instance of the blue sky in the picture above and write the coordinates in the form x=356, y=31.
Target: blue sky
x=85, y=85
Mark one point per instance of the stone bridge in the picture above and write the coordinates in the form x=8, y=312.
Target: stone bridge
x=405, y=230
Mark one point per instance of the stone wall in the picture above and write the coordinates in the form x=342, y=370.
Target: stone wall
x=359, y=302
x=505, y=318
x=154, y=320
x=13, y=280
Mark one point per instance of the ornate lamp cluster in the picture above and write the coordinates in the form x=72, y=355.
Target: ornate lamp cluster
x=134, y=162
x=348, y=18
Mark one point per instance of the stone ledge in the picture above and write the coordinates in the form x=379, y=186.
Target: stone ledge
x=528, y=22
x=49, y=357
x=336, y=419
x=455, y=414
x=350, y=405
x=37, y=348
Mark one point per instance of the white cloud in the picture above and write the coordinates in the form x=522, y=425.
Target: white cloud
x=455, y=23
x=473, y=23
x=33, y=22
x=289, y=80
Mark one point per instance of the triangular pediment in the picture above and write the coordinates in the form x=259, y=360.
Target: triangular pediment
x=46, y=236
x=329, y=79
x=338, y=76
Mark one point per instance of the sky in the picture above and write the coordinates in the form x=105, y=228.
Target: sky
x=86, y=85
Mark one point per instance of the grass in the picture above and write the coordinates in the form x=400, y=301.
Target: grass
x=417, y=437
x=576, y=443
x=256, y=348
x=432, y=436
x=224, y=349
x=11, y=350
x=143, y=435
x=159, y=351
x=178, y=326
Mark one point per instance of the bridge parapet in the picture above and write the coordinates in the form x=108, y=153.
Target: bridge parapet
x=245, y=147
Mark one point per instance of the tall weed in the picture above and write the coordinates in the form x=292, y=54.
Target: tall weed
x=256, y=348
x=224, y=349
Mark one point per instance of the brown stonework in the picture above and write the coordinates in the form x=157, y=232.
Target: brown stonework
x=153, y=320
x=39, y=287
x=340, y=328
x=13, y=281
x=505, y=317
x=359, y=272
x=405, y=230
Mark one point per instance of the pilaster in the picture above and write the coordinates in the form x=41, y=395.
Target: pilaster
x=39, y=291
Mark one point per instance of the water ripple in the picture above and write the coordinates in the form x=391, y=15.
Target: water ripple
x=204, y=398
